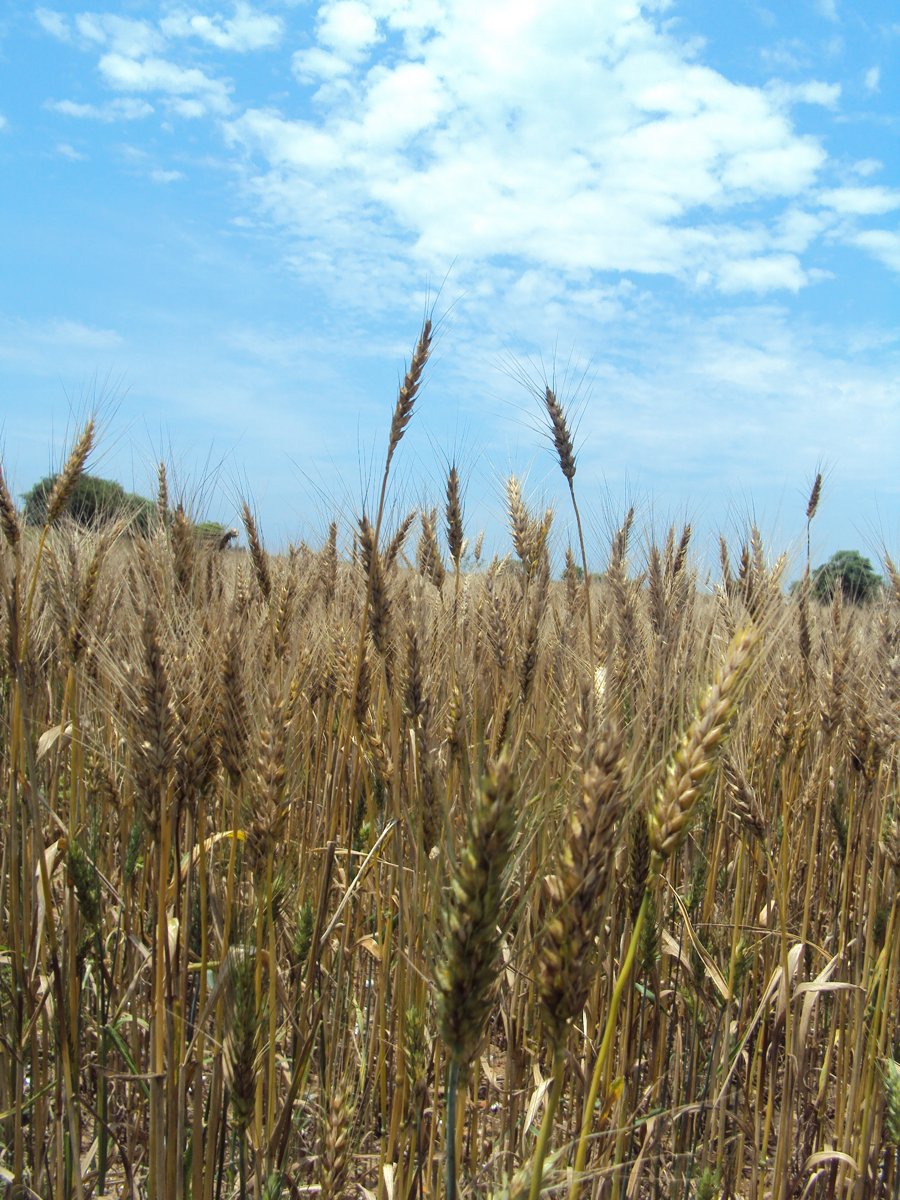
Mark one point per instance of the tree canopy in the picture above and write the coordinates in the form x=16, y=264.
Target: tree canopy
x=852, y=573
x=93, y=502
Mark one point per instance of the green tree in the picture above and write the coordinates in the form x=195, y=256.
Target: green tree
x=214, y=533
x=849, y=571
x=93, y=502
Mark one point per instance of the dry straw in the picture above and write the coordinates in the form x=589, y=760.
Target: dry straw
x=187, y=1002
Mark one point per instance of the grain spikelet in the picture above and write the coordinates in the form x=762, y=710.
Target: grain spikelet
x=397, y=542
x=234, y=719
x=162, y=495
x=814, y=496
x=258, y=555
x=562, y=438
x=467, y=966
x=576, y=893
x=243, y=1024
x=379, y=615
x=428, y=553
x=154, y=725
x=455, y=537
x=9, y=518
x=70, y=474
x=336, y=1141
x=269, y=813
x=409, y=389
x=183, y=550
x=670, y=816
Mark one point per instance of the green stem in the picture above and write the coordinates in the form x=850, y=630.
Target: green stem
x=543, y=1142
x=605, y=1045
x=452, y=1088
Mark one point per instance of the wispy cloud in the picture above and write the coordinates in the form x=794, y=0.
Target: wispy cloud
x=158, y=175
x=121, y=35
x=54, y=23
x=65, y=150
x=122, y=109
x=861, y=201
x=191, y=92
x=247, y=30
x=22, y=340
x=813, y=91
x=883, y=244
x=827, y=9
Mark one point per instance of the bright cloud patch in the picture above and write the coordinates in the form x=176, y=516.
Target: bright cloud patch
x=246, y=30
x=883, y=244
x=862, y=201
x=584, y=137
x=123, y=35
x=347, y=27
x=159, y=75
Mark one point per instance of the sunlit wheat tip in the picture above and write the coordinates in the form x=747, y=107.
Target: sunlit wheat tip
x=562, y=439
x=670, y=816
x=70, y=474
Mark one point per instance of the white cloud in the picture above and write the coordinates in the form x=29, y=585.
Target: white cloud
x=72, y=334
x=124, y=108
x=246, y=30
x=3, y=122
x=161, y=176
x=866, y=167
x=582, y=137
x=67, y=151
x=122, y=35
x=347, y=27
x=402, y=102
x=314, y=64
x=774, y=272
x=861, y=201
x=160, y=75
x=54, y=23
x=872, y=79
x=814, y=91
x=883, y=244
x=287, y=143
x=827, y=9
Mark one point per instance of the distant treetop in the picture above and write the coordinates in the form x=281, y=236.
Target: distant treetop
x=849, y=571
x=93, y=502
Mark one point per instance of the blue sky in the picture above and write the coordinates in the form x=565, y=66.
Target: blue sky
x=223, y=222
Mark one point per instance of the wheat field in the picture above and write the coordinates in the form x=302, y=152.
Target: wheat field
x=404, y=874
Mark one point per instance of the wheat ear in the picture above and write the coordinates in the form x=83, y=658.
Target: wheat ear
x=467, y=968
x=670, y=816
x=565, y=453
x=9, y=518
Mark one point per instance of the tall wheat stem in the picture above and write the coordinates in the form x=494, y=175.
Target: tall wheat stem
x=543, y=1143
x=615, y=1000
